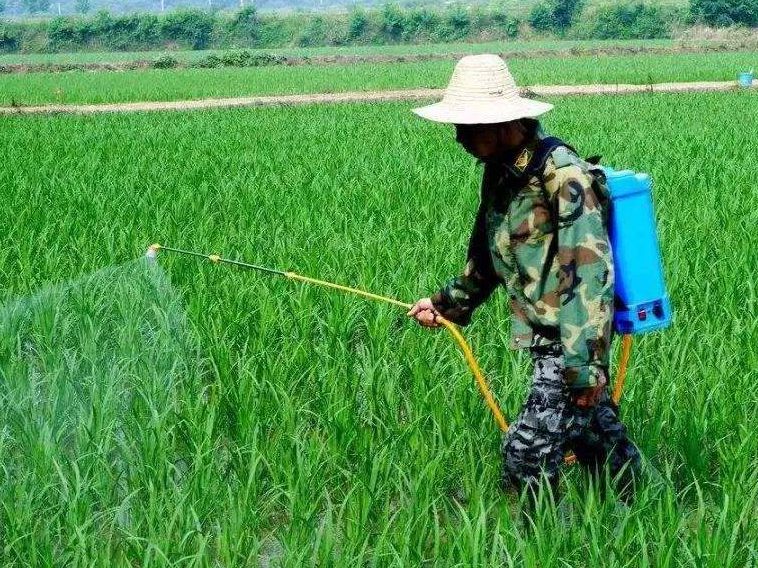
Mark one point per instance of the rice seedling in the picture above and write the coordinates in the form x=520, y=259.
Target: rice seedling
x=180, y=84
x=206, y=416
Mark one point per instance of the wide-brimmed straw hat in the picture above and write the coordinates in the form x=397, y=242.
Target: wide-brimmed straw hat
x=482, y=91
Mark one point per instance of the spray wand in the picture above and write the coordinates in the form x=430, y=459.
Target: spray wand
x=152, y=253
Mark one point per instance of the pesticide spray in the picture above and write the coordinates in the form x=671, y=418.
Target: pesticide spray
x=101, y=361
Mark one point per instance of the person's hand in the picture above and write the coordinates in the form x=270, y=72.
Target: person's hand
x=425, y=313
x=590, y=396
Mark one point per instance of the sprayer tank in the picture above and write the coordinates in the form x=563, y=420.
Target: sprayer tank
x=642, y=303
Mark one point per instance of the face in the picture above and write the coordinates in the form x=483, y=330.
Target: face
x=486, y=141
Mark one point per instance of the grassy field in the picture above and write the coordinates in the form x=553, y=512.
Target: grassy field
x=361, y=50
x=179, y=84
x=206, y=416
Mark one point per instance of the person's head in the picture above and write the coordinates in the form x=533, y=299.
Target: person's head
x=483, y=101
x=487, y=141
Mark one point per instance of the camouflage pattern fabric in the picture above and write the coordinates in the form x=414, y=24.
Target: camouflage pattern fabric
x=550, y=424
x=543, y=235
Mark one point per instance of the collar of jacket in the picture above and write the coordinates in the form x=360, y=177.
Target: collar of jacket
x=519, y=163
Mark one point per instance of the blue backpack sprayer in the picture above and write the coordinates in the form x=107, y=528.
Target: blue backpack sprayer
x=641, y=305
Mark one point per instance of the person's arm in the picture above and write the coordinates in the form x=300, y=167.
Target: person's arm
x=460, y=296
x=585, y=282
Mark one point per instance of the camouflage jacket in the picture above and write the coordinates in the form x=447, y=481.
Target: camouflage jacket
x=542, y=232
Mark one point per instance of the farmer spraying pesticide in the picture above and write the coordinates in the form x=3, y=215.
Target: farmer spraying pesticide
x=575, y=246
x=542, y=232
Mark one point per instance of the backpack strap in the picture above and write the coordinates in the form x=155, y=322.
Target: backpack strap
x=546, y=147
x=562, y=154
x=565, y=155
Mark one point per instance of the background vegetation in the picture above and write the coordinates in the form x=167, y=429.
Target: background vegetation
x=21, y=7
x=390, y=24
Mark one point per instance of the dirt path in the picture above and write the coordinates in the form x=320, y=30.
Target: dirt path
x=364, y=96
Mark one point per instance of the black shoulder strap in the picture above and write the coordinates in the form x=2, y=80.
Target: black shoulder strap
x=545, y=147
x=543, y=151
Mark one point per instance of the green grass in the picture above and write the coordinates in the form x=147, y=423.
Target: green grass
x=364, y=50
x=224, y=417
x=179, y=84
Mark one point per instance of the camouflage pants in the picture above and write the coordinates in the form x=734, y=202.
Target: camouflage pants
x=550, y=424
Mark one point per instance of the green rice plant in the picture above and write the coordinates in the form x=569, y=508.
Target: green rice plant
x=209, y=416
x=181, y=84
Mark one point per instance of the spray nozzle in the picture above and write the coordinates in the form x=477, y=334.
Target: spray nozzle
x=152, y=251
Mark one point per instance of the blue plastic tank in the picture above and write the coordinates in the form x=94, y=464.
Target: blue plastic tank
x=745, y=79
x=642, y=303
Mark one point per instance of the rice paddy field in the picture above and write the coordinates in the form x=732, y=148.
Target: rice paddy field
x=184, y=84
x=188, y=414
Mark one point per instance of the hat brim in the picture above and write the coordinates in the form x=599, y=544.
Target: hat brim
x=483, y=113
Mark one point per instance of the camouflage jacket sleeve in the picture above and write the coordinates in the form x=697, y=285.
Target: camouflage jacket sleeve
x=585, y=278
x=460, y=296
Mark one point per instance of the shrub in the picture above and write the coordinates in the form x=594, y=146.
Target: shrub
x=68, y=33
x=541, y=18
x=357, y=24
x=208, y=62
x=725, y=12
x=393, y=22
x=420, y=23
x=314, y=33
x=10, y=38
x=504, y=23
x=630, y=21
x=165, y=62
x=131, y=31
x=245, y=26
x=275, y=31
x=238, y=58
x=459, y=22
x=142, y=30
x=511, y=27
x=190, y=27
x=565, y=12
x=554, y=15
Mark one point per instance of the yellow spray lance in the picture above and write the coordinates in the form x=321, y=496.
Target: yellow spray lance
x=152, y=253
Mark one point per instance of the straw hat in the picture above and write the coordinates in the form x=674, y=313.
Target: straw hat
x=482, y=91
